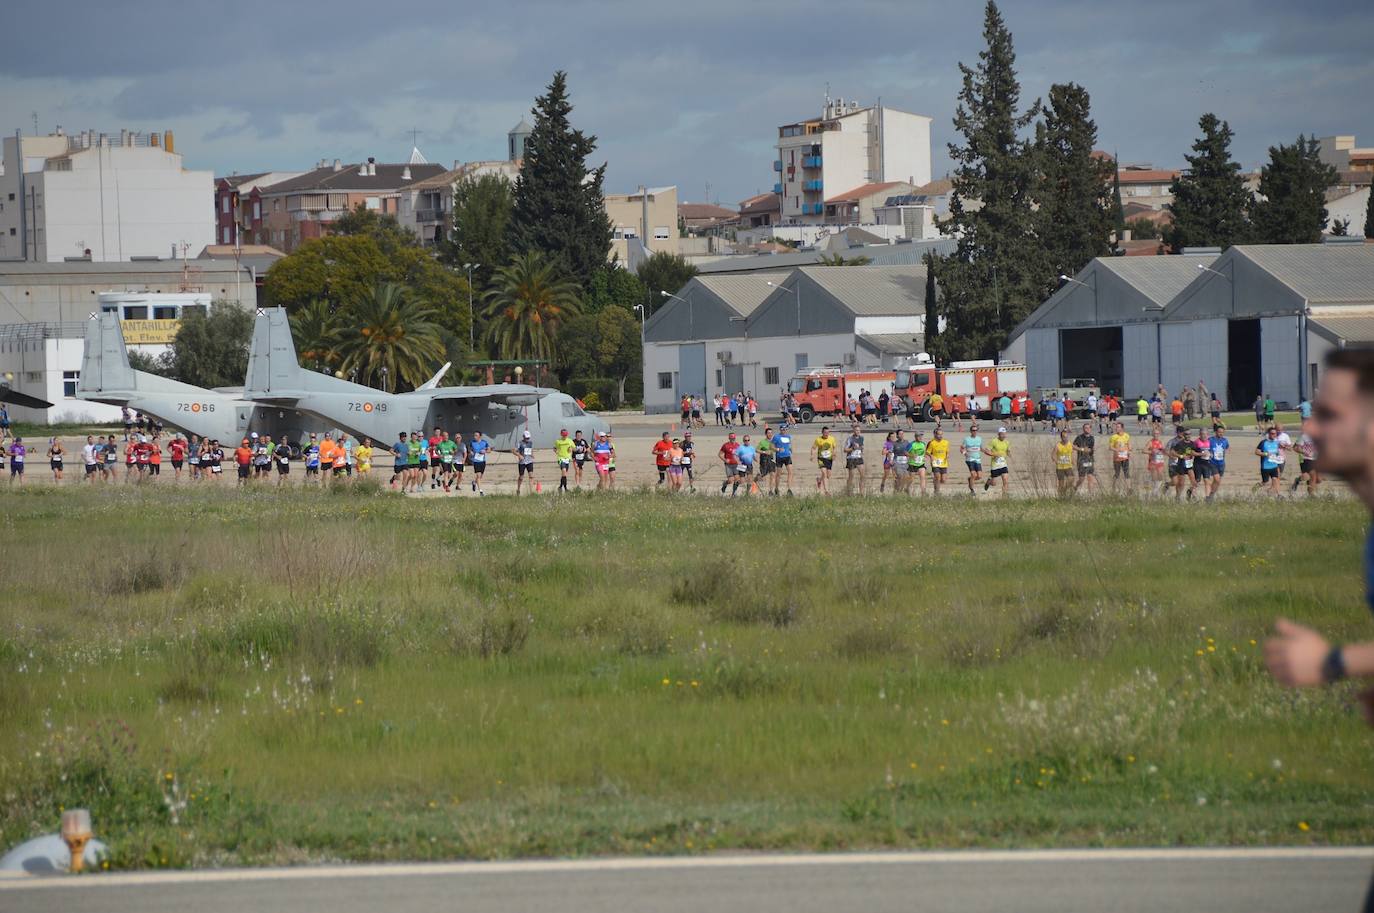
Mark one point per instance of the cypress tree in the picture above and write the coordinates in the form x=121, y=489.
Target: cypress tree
x=1369, y=215
x=1210, y=199
x=1075, y=214
x=558, y=206
x=995, y=277
x=1292, y=189
x=1118, y=211
x=931, y=338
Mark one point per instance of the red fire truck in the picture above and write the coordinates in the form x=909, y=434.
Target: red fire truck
x=965, y=387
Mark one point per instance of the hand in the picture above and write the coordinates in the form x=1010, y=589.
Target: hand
x=1295, y=654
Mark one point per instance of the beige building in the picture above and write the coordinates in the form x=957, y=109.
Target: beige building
x=643, y=223
x=426, y=207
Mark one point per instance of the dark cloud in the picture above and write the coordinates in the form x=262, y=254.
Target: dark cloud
x=684, y=93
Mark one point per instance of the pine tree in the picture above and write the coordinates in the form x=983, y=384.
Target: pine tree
x=1210, y=199
x=1291, y=208
x=995, y=277
x=559, y=209
x=1075, y=214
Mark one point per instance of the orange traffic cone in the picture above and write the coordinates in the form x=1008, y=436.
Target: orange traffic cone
x=538, y=489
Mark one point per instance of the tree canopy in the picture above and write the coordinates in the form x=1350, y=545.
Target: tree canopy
x=481, y=221
x=1077, y=202
x=528, y=301
x=558, y=208
x=1291, y=208
x=663, y=272
x=1210, y=199
x=392, y=340
x=211, y=349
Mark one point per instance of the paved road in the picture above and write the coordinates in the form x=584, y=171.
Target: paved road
x=1121, y=881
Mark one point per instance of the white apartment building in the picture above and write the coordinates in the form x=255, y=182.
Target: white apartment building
x=101, y=196
x=847, y=147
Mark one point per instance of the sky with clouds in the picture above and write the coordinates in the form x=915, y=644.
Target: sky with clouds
x=677, y=93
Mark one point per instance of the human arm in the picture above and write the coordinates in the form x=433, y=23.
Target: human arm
x=1296, y=656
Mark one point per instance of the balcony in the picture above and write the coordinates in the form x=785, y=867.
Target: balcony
x=811, y=161
x=812, y=185
x=429, y=215
x=777, y=164
x=777, y=188
x=812, y=209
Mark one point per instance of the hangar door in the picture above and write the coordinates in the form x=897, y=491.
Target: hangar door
x=1193, y=351
x=691, y=369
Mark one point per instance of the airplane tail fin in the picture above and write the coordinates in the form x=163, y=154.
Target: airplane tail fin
x=273, y=369
x=105, y=370
x=105, y=361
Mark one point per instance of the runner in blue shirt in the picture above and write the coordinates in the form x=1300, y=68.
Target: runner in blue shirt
x=782, y=454
x=1268, y=452
x=401, y=451
x=745, y=453
x=477, y=452
x=972, y=449
x=1217, y=444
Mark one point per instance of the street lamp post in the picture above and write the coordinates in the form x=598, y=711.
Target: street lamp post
x=472, y=331
x=796, y=291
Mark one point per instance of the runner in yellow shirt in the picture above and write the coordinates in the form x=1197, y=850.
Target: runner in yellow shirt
x=363, y=454
x=937, y=452
x=823, y=449
x=999, y=448
x=563, y=450
x=1120, y=445
x=1062, y=453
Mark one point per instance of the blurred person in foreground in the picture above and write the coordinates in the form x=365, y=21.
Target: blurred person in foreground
x=1344, y=434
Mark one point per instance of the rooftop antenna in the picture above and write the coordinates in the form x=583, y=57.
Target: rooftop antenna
x=34, y=115
x=415, y=137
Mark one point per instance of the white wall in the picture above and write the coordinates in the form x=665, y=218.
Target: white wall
x=38, y=366
x=1351, y=208
x=902, y=323
x=905, y=147
x=123, y=202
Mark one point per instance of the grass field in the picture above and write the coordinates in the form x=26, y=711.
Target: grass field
x=275, y=678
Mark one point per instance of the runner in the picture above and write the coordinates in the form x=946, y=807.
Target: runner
x=111, y=463
x=747, y=454
x=193, y=448
x=937, y=451
x=325, y=461
x=581, y=452
x=1202, y=463
x=610, y=462
x=1181, y=456
x=823, y=451
x=767, y=459
x=685, y=406
x=563, y=453
x=282, y=457
x=1269, y=453
x=130, y=459
x=662, y=454
x=343, y=453
x=999, y=448
x=460, y=459
x=601, y=459
x=90, y=459
x=1217, y=445
x=916, y=461
x=56, y=456
x=417, y=460
x=1120, y=445
x=1157, y=413
x=243, y=459
x=1104, y=410
x=972, y=451
x=1156, y=459
x=688, y=460
x=446, y=449
x=1062, y=454
x=262, y=458
x=436, y=458
x=477, y=453
x=782, y=456
x=1306, y=449
x=854, y=459
x=215, y=454
x=889, y=455
x=900, y=447
x=524, y=461
x=177, y=450
x=1285, y=445
x=1268, y=408
x=729, y=460
x=17, y=452
x=154, y=457
x=364, y=457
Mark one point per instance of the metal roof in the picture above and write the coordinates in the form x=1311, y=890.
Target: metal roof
x=1319, y=273
x=97, y=267
x=1345, y=330
x=873, y=291
x=742, y=293
x=903, y=253
x=890, y=343
x=1157, y=278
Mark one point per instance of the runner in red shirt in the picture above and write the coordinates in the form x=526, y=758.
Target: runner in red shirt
x=243, y=458
x=154, y=458
x=730, y=461
x=663, y=456
x=177, y=447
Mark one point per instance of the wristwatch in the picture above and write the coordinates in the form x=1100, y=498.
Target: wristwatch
x=1333, y=667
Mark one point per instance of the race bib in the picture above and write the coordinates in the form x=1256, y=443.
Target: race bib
x=856, y=454
x=999, y=462
x=1218, y=454
x=938, y=462
x=1188, y=464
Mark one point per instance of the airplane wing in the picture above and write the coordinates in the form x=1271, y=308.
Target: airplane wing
x=10, y=395
x=506, y=394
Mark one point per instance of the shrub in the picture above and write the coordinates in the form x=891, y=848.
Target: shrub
x=499, y=630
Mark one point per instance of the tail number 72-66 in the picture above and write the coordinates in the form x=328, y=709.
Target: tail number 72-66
x=366, y=407
x=195, y=407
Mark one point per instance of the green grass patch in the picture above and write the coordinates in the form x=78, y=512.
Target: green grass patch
x=265, y=677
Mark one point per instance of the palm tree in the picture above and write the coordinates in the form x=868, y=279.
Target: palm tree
x=391, y=337
x=526, y=304
x=315, y=330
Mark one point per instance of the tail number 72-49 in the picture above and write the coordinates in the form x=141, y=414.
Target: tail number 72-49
x=366, y=407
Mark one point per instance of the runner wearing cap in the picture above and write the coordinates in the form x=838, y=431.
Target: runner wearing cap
x=563, y=452
x=610, y=463
x=601, y=459
x=524, y=461
x=999, y=449
x=243, y=459
x=747, y=454
x=675, y=466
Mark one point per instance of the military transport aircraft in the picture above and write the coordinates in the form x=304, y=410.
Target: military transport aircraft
x=219, y=415
x=502, y=412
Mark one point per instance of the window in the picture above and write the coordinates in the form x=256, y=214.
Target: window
x=770, y=375
x=33, y=377
x=374, y=203
x=571, y=410
x=224, y=205
x=922, y=380
x=69, y=382
x=800, y=360
x=257, y=210
x=665, y=380
x=719, y=381
x=11, y=198
x=165, y=312
x=660, y=232
x=833, y=383
x=224, y=235
x=11, y=232
x=135, y=312
x=812, y=384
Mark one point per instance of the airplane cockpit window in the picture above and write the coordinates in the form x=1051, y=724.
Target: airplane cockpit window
x=572, y=410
